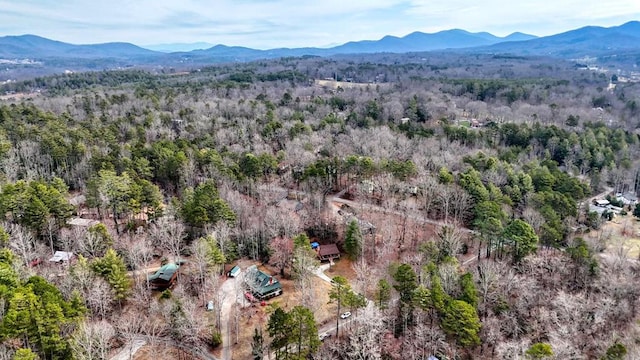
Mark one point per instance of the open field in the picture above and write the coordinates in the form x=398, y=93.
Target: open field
x=342, y=84
x=619, y=236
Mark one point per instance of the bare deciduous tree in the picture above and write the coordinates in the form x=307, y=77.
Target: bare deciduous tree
x=168, y=234
x=22, y=242
x=92, y=340
x=281, y=253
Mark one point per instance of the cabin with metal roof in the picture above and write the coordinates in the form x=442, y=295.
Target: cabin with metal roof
x=165, y=277
x=261, y=285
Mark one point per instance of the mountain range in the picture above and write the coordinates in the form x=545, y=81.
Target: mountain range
x=591, y=41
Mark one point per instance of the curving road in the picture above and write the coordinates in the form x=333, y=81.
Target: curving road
x=412, y=216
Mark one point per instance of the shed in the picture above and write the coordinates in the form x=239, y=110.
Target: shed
x=62, y=257
x=328, y=252
x=234, y=271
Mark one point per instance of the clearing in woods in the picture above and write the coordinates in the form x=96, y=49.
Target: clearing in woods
x=619, y=236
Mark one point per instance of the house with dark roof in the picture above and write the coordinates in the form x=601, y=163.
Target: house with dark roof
x=165, y=277
x=261, y=285
x=328, y=252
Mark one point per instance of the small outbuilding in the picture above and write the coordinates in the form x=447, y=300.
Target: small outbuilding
x=62, y=257
x=235, y=271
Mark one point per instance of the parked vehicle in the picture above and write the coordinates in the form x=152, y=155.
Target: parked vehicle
x=345, y=315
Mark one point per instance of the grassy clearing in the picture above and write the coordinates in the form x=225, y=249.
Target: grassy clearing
x=620, y=234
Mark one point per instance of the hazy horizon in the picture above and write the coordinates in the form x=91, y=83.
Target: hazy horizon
x=287, y=23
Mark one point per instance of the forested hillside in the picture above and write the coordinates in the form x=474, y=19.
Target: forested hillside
x=457, y=189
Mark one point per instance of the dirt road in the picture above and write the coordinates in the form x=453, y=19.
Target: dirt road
x=129, y=351
x=410, y=215
x=229, y=295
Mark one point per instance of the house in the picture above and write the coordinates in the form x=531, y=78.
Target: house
x=235, y=271
x=80, y=222
x=600, y=210
x=475, y=123
x=165, y=277
x=602, y=202
x=328, y=252
x=261, y=285
x=62, y=257
x=627, y=199
x=615, y=209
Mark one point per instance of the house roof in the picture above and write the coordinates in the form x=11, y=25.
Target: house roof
x=328, y=249
x=165, y=273
x=234, y=270
x=260, y=282
x=82, y=222
x=61, y=256
x=602, y=202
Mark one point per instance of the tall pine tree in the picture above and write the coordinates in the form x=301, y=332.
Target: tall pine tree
x=353, y=240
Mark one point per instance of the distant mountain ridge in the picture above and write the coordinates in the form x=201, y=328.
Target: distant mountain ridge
x=33, y=46
x=589, y=40
x=419, y=41
x=178, y=47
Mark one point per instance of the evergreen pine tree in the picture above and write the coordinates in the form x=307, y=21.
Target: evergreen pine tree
x=353, y=240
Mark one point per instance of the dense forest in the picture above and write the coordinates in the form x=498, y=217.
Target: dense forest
x=457, y=188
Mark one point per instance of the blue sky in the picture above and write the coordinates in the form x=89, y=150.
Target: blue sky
x=296, y=23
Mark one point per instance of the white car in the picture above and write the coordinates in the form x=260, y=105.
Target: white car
x=324, y=336
x=345, y=315
x=210, y=305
